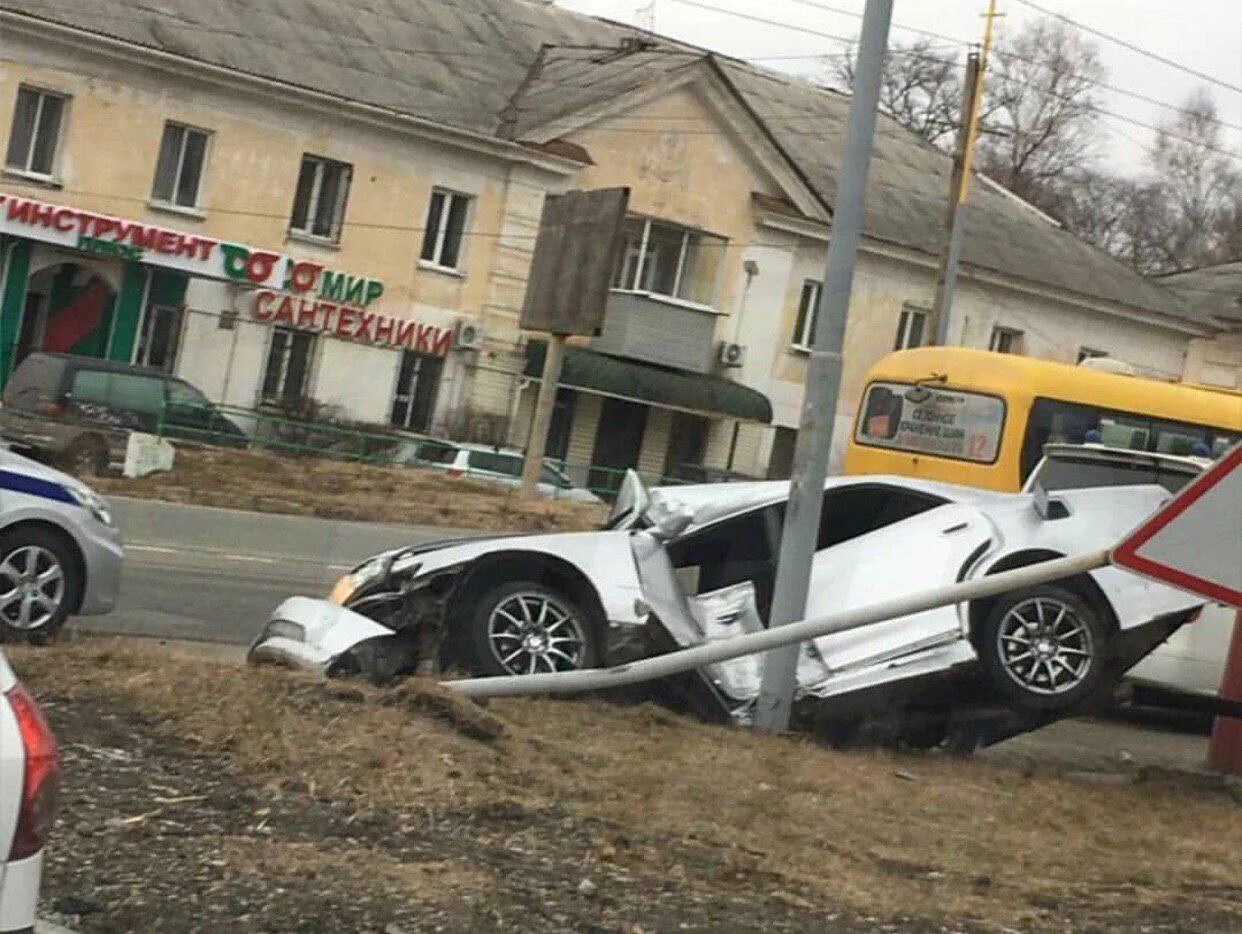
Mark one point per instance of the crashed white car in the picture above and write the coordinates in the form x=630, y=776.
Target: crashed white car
x=679, y=566
x=1192, y=662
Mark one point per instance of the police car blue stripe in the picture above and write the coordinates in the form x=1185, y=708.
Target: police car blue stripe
x=34, y=486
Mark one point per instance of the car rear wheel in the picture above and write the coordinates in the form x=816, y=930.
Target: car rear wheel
x=1043, y=648
x=525, y=628
x=39, y=583
x=87, y=457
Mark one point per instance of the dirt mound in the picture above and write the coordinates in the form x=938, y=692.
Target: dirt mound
x=605, y=817
x=343, y=490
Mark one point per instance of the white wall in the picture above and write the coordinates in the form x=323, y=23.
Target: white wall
x=227, y=365
x=1053, y=330
x=359, y=379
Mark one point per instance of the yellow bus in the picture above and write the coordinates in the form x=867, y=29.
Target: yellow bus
x=982, y=419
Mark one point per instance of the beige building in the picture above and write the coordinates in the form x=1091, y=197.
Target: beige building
x=1213, y=295
x=315, y=201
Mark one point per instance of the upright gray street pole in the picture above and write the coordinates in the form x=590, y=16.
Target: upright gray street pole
x=823, y=378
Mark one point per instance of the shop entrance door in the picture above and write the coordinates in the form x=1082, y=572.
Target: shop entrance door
x=68, y=309
x=618, y=440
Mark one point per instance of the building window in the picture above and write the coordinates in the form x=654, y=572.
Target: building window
x=418, y=381
x=179, y=169
x=663, y=259
x=1006, y=340
x=35, y=135
x=808, y=315
x=910, y=328
x=319, y=203
x=445, y=229
x=159, y=338
x=1089, y=353
x=288, y=365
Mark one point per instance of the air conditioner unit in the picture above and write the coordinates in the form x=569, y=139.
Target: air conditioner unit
x=468, y=336
x=731, y=355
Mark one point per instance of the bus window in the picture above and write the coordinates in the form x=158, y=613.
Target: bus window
x=1179, y=439
x=1222, y=442
x=1118, y=431
x=1053, y=421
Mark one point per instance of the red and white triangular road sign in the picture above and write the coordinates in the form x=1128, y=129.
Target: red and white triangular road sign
x=1195, y=540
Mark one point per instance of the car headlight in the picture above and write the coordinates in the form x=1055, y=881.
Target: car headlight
x=92, y=502
x=359, y=578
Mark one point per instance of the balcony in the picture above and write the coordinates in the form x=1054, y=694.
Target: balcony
x=658, y=329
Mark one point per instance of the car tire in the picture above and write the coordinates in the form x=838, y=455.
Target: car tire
x=87, y=456
x=527, y=628
x=40, y=581
x=1043, y=648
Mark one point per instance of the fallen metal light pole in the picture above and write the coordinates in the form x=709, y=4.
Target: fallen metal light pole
x=594, y=679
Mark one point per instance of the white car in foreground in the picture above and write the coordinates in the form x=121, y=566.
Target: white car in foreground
x=1192, y=660
x=680, y=566
x=29, y=786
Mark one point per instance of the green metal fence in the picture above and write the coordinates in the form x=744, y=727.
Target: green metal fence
x=257, y=429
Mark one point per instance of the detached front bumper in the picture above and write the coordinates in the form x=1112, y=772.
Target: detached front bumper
x=315, y=634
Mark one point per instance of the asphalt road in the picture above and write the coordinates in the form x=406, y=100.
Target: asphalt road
x=176, y=593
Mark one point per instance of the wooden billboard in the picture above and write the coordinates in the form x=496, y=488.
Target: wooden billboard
x=580, y=238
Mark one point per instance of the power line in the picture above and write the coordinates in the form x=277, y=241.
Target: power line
x=853, y=14
x=954, y=43
x=1108, y=37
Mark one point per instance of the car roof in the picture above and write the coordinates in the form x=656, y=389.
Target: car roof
x=483, y=448
x=99, y=363
x=710, y=502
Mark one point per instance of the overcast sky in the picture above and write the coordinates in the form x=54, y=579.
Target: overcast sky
x=1205, y=35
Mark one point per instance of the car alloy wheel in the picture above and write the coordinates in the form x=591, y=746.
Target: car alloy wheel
x=530, y=632
x=32, y=587
x=1044, y=646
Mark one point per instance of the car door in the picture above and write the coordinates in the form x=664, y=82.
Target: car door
x=901, y=548
x=187, y=413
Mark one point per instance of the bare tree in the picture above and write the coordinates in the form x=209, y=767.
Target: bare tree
x=1040, y=118
x=921, y=89
x=1097, y=206
x=1200, y=191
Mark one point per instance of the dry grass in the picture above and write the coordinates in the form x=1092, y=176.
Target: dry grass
x=915, y=835
x=340, y=490
x=360, y=867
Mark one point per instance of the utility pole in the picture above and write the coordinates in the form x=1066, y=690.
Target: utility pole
x=541, y=418
x=946, y=277
x=963, y=160
x=823, y=378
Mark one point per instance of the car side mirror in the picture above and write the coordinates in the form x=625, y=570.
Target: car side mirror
x=1048, y=507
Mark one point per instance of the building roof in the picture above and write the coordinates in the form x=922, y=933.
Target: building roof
x=1216, y=291
x=458, y=63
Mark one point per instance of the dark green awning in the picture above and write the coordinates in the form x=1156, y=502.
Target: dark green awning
x=644, y=382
